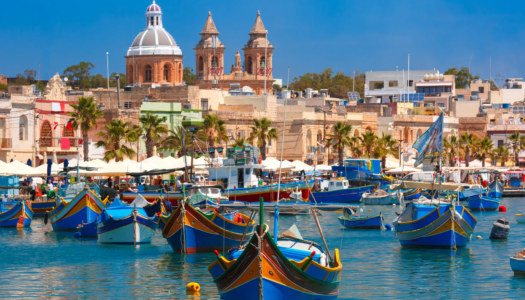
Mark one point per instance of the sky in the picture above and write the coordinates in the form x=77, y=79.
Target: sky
x=308, y=36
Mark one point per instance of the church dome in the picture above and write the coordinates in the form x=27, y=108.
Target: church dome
x=154, y=40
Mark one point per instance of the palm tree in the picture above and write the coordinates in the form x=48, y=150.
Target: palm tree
x=214, y=128
x=450, y=146
x=85, y=115
x=355, y=147
x=385, y=145
x=484, y=147
x=502, y=153
x=467, y=140
x=135, y=133
x=153, y=127
x=263, y=133
x=514, y=141
x=339, y=138
x=239, y=142
x=368, y=141
x=114, y=138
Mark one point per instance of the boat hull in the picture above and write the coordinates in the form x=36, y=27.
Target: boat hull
x=85, y=207
x=269, y=192
x=412, y=194
x=375, y=222
x=495, y=189
x=40, y=208
x=389, y=199
x=129, y=230
x=20, y=215
x=190, y=231
x=349, y=195
x=437, y=228
x=517, y=265
x=269, y=274
x=172, y=197
x=483, y=203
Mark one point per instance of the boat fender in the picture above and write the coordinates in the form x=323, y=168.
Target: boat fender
x=46, y=217
x=193, y=288
x=388, y=227
x=502, y=208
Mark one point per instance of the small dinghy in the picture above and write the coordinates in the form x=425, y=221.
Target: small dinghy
x=351, y=220
x=520, y=218
x=381, y=197
x=500, y=230
x=517, y=263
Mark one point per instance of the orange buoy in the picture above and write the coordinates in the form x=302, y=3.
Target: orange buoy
x=502, y=208
x=193, y=288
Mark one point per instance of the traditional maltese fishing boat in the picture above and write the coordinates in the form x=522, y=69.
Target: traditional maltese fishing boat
x=15, y=214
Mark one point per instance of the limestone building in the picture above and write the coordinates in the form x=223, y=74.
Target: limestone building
x=154, y=59
x=256, y=73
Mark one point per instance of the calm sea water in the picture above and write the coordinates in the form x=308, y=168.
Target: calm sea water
x=38, y=262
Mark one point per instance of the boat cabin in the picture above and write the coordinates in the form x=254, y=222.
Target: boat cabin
x=359, y=169
x=238, y=170
x=335, y=184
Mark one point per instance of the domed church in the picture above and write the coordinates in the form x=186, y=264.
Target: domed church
x=154, y=59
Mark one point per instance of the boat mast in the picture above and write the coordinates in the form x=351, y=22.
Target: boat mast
x=276, y=217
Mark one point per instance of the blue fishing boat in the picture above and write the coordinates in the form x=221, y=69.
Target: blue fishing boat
x=472, y=191
x=124, y=224
x=362, y=170
x=483, y=203
x=411, y=194
x=338, y=190
x=440, y=225
x=288, y=269
x=85, y=207
x=15, y=214
x=517, y=263
x=495, y=189
x=351, y=220
x=190, y=230
x=40, y=208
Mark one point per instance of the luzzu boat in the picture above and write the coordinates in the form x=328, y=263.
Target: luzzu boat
x=483, y=203
x=434, y=225
x=190, y=230
x=125, y=224
x=15, y=214
x=411, y=194
x=268, y=270
x=85, y=207
x=495, y=189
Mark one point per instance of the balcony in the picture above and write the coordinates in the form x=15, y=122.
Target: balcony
x=6, y=143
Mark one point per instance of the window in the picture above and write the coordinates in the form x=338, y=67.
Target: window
x=481, y=89
x=249, y=65
x=447, y=89
x=147, y=74
x=500, y=143
x=167, y=72
x=410, y=83
x=262, y=64
x=204, y=104
x=157, y=21
x=46, y=135
x=377, y=85
x=392, y=83
x=68, y=132
x=151, y=21
x=22, y=129
x=214, y=62
x=127, y=104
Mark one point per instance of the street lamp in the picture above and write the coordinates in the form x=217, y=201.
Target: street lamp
x=107, y=77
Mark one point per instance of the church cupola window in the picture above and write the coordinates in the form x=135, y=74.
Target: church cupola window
x=147, y=73
x=262, y=64
x=166, y=72
x=249, y=65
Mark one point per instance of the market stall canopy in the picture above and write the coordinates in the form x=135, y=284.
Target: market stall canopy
x=323, y=168
x=272, y=164
x=301, y=166
x=20, y=169
x=403, y=169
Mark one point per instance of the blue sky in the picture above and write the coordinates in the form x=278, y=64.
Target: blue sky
x=308, y=35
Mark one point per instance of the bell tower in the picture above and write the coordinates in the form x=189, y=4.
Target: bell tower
x=258, y=54
x=209, y=53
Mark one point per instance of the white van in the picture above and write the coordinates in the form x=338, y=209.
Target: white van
x=426, y=176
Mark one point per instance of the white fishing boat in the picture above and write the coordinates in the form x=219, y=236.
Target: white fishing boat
x=382, y=197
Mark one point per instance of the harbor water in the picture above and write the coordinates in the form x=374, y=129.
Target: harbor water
x=38, y=262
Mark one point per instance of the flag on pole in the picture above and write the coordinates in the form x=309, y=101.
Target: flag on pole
x=430, y=141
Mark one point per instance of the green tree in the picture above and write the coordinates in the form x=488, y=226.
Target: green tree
x=484, y=148
x=113, y=80
x=339, y=138
x=153, y=127
x=85, y=116
x=368, y=141
x=514, y=142
x=385, y=145
x=135, y=133
x=80, y=74
x=30, y=75
x=215, y=130
x=263, y=132
x=239, y=142
x=173, y=142
x=463, y=76
x=3, y=87
x=467, y=141
x=450, y=146
x=21, y=80
x=188, y=76
x=338, y=85
x=114, y=138
x=277, y=88
x=503, y=154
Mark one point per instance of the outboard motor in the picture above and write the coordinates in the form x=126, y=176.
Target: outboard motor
x=500, y=230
